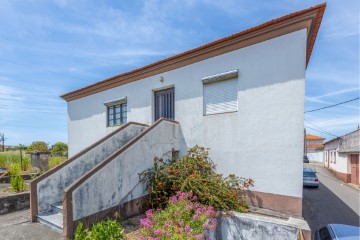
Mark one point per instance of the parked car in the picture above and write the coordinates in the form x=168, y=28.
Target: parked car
x=306, y=159
x=338, y=232
x=309, y=178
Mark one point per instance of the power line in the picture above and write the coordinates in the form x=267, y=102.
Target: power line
x=332, y=105
x=329, y=133
x=33, y=67
x=321, y=131
x=35, y=91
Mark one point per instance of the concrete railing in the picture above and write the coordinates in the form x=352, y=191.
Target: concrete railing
x=115, y=182
x=47, y=189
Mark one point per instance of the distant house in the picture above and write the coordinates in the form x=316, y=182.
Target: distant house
x=314, y=143
x=342, y=157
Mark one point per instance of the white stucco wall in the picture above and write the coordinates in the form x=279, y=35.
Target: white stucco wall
x=249, y=142
x=316, y=156
x=339, y=163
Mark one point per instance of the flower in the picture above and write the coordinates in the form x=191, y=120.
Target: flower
x=187, y=229
x=159, y=232
x=146, y=223
x=199, y=236
x=205, y=226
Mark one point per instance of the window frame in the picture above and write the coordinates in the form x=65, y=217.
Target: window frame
x=111, y=110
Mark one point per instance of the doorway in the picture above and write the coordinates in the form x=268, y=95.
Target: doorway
x=354, y=168
x=164, y=103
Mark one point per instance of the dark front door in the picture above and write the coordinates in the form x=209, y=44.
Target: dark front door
x=165, y=104
x=354, y=168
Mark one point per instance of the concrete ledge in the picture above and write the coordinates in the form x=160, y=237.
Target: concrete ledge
x=13, y=203
x=234, y=225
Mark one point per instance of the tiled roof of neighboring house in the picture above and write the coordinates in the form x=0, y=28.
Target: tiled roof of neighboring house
x=331, y=140
x=315, y=146
x=309, y=19
x=313, y=137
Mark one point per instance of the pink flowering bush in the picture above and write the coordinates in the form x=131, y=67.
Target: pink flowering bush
x=183, y=218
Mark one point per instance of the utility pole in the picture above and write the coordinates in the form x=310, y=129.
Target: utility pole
x=21, y=160
x=2, y=139
x=305, y=150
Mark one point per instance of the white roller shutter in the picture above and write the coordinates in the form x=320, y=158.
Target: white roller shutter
x=220, y=97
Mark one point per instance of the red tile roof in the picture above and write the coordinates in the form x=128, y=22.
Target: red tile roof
x=313, y=137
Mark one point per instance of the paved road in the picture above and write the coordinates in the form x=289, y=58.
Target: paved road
x=332, y=202
x=16, y=226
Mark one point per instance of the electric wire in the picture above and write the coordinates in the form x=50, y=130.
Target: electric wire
x=334, y=105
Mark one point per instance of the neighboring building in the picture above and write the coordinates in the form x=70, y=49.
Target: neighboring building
x=341, y=156
x=314, y=148
x=241, y=96
x=314, y=143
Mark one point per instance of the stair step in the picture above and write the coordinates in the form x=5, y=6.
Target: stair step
x=57, y=207
x=52, y=219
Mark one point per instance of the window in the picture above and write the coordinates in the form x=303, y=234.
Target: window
x=116, y=112
x=220, y=93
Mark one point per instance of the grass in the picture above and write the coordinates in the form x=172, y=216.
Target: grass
x=11, y=160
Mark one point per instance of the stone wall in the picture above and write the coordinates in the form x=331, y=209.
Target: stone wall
x=14, y=203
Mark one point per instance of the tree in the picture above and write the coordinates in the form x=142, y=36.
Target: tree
x=60, y=149
x=38, y=146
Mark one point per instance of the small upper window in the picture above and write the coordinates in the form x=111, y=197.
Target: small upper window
x=116, y=112
x=220, y=93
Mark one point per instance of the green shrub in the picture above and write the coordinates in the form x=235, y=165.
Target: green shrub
x=54, y=161
x=195, y=172
x=105, y=229
x=183, y=218
x=16, y=180
x=81, y=233
x=60, y=149
x=38, y=146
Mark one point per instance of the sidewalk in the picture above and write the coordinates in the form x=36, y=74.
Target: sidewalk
x=16, y=226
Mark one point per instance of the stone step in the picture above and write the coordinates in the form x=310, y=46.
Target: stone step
x=52, y=219
x=57, y=207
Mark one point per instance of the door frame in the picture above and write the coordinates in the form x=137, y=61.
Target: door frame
x=153, y=99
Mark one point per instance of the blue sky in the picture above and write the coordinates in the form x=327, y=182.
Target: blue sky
x=50, y=47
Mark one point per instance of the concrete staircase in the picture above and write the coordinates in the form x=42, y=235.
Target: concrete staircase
x=91, y=184
x=53, y=218
x=46, y=190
